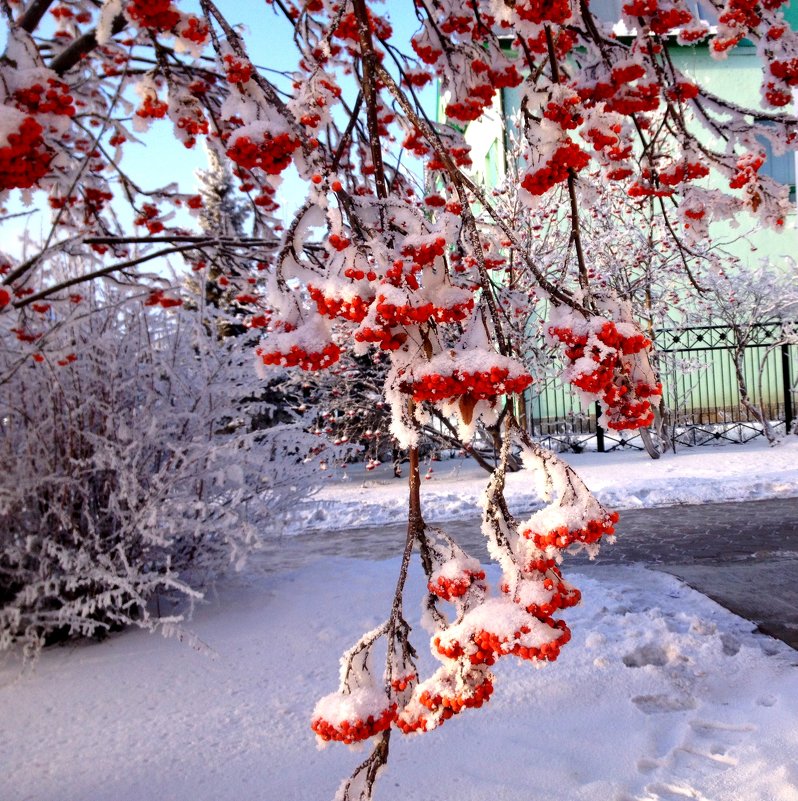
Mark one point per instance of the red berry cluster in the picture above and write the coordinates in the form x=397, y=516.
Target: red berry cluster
x=25, y=160
x=297, y=356
x=480, y=95
x=158, y=298
x=392, y=315
x=385, y=337
x=607, y=334
x=472, y=698
x=456, y=23
x=682, y=91
x=152, y=108
x=95, y=199
x=456, y=587
x=628, y=407
x=427, y=53
x=448, y=692
x=566, y=114
x=660, y=20
x=627, y=73
x=539, y=564
x=358, y=275
x=634, y=99
x=485, y=646
x=618, y=173
x=417, y=78
x=626, y=402
x=694, y=34
x=668, y=19
x=647, y=189
x=353, y=731
x=470, y=108
x=54, y=98
x=194, y=125
x=563, y=596
x=435, y=201
x=461, y=156
x=479, y=385
x=504, y=78
x=601, y=139
x=540, y=11
x=338, y=242
x=403, y=682
x=272, y=154
x=425, y=254
x=681, y=172
x=24, y=335
x=561, y=537
x=568, y=156
x=661, y=184
x=414, y=142
x=786, y=71
x=354, y=308
x=564, y=42
x=158, y=15
x=195, y=30
x=775, y=96
x=695, y=214
x=237, y=70
x=775, y=32
x=148, y=216
x=746, y=171
x=741, y=14
x=720, y=44
x=347, y=27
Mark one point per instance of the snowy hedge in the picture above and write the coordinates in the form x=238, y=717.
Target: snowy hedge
x=132, y=470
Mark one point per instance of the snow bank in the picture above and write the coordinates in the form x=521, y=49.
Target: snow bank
x=662, y=694
x=355, y=497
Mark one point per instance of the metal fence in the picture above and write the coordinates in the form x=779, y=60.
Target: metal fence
x=701, y=396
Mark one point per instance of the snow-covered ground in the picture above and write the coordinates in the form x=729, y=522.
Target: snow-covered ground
x=662, y=694
x=355, y=497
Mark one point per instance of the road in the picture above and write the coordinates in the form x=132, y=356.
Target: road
x=742, y=555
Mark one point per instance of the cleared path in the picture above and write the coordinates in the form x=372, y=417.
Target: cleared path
x=742, y=555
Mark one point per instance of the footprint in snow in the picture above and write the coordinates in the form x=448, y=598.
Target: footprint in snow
x=706, y=748
x=649, y=654
x=710, y=726
x=657, y=704
x=767, y=700
x=663, y=791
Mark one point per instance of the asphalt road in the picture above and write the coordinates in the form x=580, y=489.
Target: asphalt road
x=742, y=555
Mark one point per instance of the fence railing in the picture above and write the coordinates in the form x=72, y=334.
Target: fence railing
x=701, y=395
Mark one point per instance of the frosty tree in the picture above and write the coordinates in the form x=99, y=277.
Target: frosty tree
x=370, y=261
x=137, y=468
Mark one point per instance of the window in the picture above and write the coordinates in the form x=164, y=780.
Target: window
x=779, y=168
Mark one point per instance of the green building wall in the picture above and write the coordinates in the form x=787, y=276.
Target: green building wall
x=737, y=79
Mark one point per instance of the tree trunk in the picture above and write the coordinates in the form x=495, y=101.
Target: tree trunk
x=752, y=408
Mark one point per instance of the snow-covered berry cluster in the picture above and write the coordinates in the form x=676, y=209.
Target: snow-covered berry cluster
x=354, y=716
x=559, y=533
x=307, y=346
x=607, y=361
x=24, y=156
x=266, y=152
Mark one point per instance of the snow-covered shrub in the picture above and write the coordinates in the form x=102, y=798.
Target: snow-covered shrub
x=131, y=469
